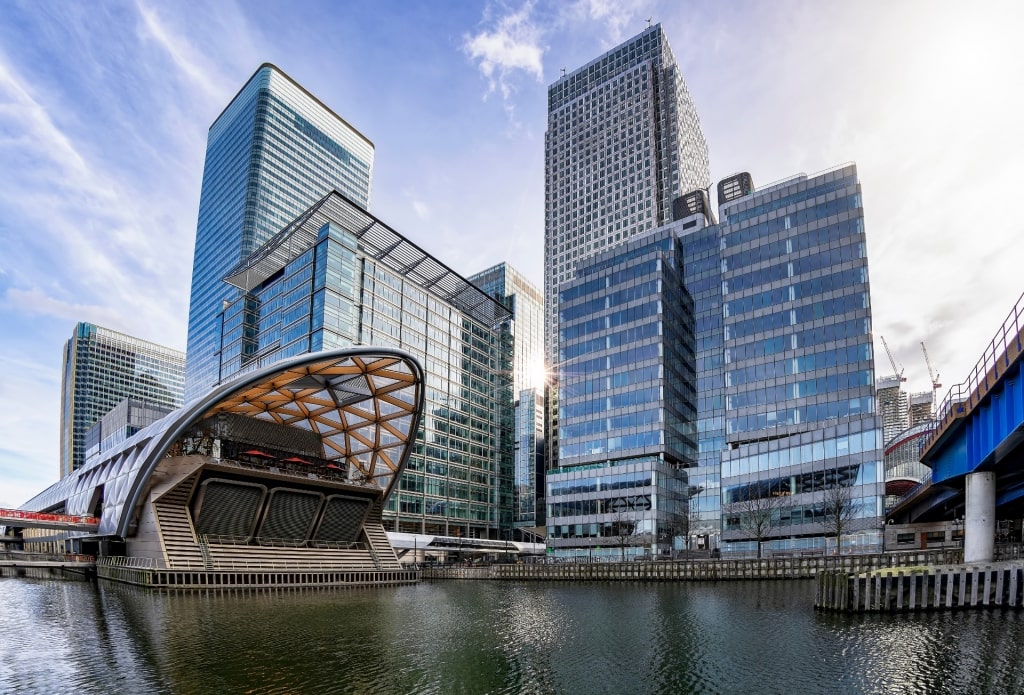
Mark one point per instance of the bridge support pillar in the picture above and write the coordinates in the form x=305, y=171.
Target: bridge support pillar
x=980, y=517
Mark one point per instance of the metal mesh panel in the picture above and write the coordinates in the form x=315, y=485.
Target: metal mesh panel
x=343, y=519
x=228, y=508
x=289, y=515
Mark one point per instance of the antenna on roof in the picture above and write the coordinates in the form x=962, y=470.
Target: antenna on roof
x=649, y=22
x=563, y=72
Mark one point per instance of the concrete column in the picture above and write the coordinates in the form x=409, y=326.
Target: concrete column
x=980, y=517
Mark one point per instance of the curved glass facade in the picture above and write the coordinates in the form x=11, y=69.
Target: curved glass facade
x=272, y=153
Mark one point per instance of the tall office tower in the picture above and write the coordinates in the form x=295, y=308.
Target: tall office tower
x=273, y=152
x=338, y=276
x=524, y=299
x=101, y=368
x=920, y=408
x=703, y=279
x=893, y=406
x=626, y=408
x=801, y=423
x=623, y=141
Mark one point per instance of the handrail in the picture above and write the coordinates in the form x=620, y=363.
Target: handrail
x=953, y=405
x=148, y=563
x=45, y=557
x=298, y=543
x=46, y=516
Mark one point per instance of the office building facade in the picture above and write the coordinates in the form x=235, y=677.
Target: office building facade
x=526, y=303
x=273, y=152
x=623, y=141
x=626, y=408
x=703, y=279
x=800, y=424
x=100, y=369
x=340, y=277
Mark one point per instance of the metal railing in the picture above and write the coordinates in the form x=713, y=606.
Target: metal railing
x=22, y=556
x=260, y=542
x=148, y=563
x=999, y=354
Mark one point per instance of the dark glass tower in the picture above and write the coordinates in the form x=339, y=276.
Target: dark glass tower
x=272, y=153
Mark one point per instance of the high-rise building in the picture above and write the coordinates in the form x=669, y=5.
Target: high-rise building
x=521, y=297
x=101, y=368
x=524, y=299
x=800, y=421
x=893, y=406
x=921, y=407
x=273, y=152
x=626, y=407
x=622, y=142
x=338, y=277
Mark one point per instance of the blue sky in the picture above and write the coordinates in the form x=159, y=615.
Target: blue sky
x=104, y=109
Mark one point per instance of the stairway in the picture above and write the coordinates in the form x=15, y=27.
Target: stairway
x=380, y=547
x=181, y=549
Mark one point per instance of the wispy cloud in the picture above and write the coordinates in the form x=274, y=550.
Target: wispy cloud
x=510, y=46
x=183, y=53
x=619, y=19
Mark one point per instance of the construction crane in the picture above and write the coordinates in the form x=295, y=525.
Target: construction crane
x=895, y=370
x=934, y=376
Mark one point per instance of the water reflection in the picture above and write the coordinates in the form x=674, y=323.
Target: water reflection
x=484, y=637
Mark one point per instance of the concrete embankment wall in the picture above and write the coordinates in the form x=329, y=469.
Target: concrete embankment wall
x=939, y=588
x=698, y=570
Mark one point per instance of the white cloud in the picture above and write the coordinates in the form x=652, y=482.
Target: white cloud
x=511, y=47
x=37, y=302
x=620, y=19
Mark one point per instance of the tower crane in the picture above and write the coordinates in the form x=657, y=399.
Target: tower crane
x=895, y=370
x=934, y=376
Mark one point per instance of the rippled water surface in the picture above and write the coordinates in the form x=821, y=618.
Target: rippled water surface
x=490, y=637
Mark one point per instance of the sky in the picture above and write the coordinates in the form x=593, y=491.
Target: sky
x=105, y=106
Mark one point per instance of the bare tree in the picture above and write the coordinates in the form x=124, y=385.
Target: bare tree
x=623, y=526
x=757, y=509
x=840, y=510
x=683, y=525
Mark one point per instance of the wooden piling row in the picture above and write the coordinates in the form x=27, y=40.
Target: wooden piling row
x=936, y=589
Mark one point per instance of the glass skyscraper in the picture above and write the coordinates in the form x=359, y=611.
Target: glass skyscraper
x=800, y=411
x=711, y=372
x=627, y=394
x=101, y=369
x=623, y=141
x=273, y=152
x=520, y=296
x=338, y=276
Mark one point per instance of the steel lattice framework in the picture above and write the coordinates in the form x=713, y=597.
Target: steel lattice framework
x=362, y=408
x=378, y=241
x=364, y=403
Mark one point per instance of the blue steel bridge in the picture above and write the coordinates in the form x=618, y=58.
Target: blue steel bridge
x=979, y=428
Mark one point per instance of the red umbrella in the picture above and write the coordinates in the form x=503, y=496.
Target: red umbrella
x=257, y=452
x=296, y=459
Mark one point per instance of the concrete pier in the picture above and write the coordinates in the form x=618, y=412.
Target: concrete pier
x=980, y=518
